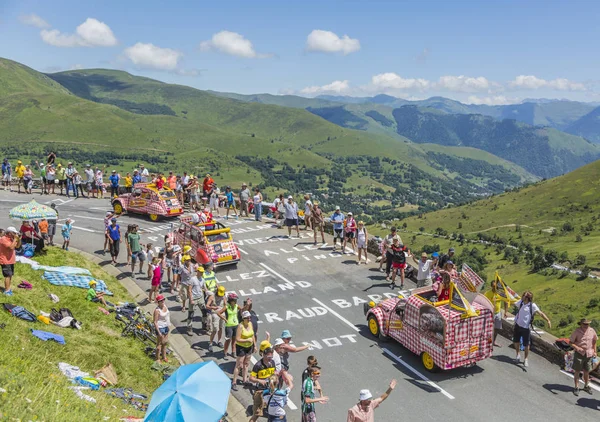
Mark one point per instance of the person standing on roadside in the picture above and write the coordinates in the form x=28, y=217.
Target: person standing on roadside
x=318, y=222
x=114, y=238
x=135, y=247
x=291, y=215
x=187, y=272
x=498, y=305
x=6, y=174
x=387, y=243
x=8, y=244
x=99, y=175
x=89, y=179
x=260, y=374
x=144, y=174
x=287, y=348
x=308, y=207
x=523, y=322
x=257, y=200
x=216, y=321
x=42, y=168
x=230, y=203
x=424, y=272
x=28, y=179
x=79, y=185
x=172, y=181
x=66, y=233
x=52, y=225
x=137, y=178
x=244, y=347
x=446, y=257
x=196, y=299
x=308, y=395
x=583, y=341
x=20, y=173
x=364, y=410
x=114, y=183
x=337, y=219
x=312, y=362
x=279, y=208
x=276, y=398
x=162, y=321
x=61, y=176
x=230, y=311
x=349, y=233
x=70, y=174
x=244, y=198
x=362, y=239
x=207, y=185
x=51, y=178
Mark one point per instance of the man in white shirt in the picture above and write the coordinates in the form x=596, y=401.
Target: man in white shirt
x=523, y=320
x=424, y=273
x=144, y=173
x=89, y=177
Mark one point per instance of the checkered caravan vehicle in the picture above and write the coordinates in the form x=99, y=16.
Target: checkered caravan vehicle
x=446, y=334
x=147, y=199
x=209, y=241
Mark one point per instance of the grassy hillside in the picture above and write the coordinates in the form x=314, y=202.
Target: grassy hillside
x=557, y=220
x=544, y=152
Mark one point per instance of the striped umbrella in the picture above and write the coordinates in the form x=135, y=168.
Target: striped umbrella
x=32, y=211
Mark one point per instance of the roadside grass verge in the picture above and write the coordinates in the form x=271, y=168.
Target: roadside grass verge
x=35, y=388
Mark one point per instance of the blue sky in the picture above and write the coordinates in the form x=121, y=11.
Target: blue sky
x=475, y=51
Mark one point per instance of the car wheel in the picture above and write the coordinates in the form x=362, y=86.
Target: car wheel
x=374, y=326
x=153, y=217
x=118, y=208
x=428, y=363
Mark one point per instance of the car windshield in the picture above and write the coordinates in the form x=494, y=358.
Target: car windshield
x=166, y=194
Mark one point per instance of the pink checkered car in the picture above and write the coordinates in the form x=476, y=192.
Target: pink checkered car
x=210, y=242
x=147, y=199
x=444, y=334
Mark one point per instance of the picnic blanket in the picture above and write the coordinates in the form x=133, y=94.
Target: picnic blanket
x=65, y=269
x=82, y=281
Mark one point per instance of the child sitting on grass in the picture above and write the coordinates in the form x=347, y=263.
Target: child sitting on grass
x=93, y=295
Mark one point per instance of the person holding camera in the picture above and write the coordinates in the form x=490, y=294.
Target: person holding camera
x=8, y=244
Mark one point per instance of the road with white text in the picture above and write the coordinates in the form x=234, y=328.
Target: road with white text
x=318, y=295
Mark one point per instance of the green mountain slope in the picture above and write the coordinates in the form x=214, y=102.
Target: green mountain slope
x=544, y=152
x=553, y=221
x=118, y=119
x=587, y=126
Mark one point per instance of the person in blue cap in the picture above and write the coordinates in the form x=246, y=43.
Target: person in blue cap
x=287, y=347
x=435, y=257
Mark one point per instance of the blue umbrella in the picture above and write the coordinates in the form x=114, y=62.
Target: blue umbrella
x=196, y=392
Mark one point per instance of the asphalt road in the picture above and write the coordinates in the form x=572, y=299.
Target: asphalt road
x=318, y=295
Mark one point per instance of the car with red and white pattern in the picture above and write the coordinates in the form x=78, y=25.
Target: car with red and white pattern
x=446, y=334
x=210, y=242
x=147, y=199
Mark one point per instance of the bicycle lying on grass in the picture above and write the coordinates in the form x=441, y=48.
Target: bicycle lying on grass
x=139, y=325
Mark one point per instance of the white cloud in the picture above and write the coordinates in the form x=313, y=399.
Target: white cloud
x=153, y=57
x=336, y=87
x=233, y=44
x=533, y=82
x=491, y=100
x=91, y=33
x=463, y=83
x=391, y=80
x=34, y=20
x=329, y=42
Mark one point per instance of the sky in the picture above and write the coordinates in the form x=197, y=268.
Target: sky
x=480, y=52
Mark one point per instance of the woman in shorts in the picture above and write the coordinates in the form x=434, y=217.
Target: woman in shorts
x=349, y=233
x=162, y=320
x=362, y=237
x=317, y=222
x=244, y=347
x=230, y=202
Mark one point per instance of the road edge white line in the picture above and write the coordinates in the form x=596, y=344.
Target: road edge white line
x=417, y=373
x=341, y=318
x=290, y=403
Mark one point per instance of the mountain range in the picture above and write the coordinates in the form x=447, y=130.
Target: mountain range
x=115, y=118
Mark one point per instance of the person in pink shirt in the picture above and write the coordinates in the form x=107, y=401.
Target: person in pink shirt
x=583, y=341
x=350, y=229
x=364, y=410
